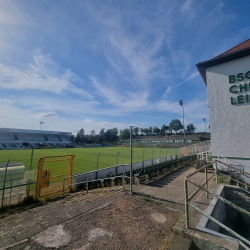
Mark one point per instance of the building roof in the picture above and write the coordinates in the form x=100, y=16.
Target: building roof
x=240, y=50
x=16, y=130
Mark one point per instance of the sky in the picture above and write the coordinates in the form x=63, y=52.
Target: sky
x=105, y=64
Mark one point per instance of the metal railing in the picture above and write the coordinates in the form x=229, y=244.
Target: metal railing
x=205, y=155
x=204, y=186
x=95, y=172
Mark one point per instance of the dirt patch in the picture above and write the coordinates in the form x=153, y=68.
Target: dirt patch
x=128, y=223
x=159, y=217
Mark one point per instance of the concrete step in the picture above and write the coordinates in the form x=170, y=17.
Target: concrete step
x=181, y=243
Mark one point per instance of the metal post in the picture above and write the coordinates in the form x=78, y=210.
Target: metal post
x=5, y=174
x=96, y=175
x=131, y=160
x=63, y=186
x=216, y=169
x=10, y=186
x=186, y=203
x=143, y=159
x=117, y=158
x=123, y=177
x=117, y=162
x=184, y=127
x=152, y=162
x=87, y=183
x=31, y=161
x=206, y=181
x=160, y=155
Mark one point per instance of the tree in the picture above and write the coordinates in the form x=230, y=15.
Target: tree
x=125, y=134
x=175, y=125
x=150, y=129
x=146, y=131
x=156, y=130
x=93, y=132
x=111, y=135
x=141, y=130
x=72, y=138
x=102, y=131
x=136, y=130
x=80, y=136
x=191, y=127
x=163, y=128
x=81, y=132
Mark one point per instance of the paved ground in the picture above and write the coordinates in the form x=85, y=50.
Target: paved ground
x=170, y=188
x=85, y=217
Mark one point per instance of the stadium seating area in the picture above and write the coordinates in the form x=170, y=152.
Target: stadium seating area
x=18, y=138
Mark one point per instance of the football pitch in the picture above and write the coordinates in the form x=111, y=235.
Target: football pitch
x=85, y=158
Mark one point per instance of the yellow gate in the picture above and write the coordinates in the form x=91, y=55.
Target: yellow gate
x=51, y=173
x=184, y=151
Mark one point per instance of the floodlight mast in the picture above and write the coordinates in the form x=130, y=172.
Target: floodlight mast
x=181, y=104
x=204, y=119
x=41, y=123
x=131, y=159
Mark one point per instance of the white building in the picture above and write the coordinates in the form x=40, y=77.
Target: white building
x=227, y=77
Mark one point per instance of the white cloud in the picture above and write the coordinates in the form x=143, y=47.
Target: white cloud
x=43, y=75
x=168, y=90
x=88, y=120
x=46, y=115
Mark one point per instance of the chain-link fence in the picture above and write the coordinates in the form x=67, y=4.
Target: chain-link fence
x=18, y=176
x=17, y=181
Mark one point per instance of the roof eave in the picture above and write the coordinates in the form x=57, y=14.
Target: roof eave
x=219, y=60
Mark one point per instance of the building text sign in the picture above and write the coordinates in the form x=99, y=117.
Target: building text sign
x=239, y=88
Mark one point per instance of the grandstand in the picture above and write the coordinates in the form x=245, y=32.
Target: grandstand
x=14, y=138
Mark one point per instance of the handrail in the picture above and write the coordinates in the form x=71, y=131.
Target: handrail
x=204, y=187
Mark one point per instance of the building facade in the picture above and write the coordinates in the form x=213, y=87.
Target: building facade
x=227, y=77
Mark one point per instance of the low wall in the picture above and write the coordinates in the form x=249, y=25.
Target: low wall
x=114, y=170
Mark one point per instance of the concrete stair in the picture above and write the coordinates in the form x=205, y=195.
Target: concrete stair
x=181, y=243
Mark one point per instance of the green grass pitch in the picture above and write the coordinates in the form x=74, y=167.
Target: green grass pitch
x=85, y=158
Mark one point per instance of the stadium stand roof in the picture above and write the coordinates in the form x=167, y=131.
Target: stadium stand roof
x=14, y=130
x=238, y=51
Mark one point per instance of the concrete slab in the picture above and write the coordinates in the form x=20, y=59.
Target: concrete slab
x=53, y=237
x=181, y=243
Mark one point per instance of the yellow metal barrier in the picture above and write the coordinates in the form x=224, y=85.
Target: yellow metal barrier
x=51, y=172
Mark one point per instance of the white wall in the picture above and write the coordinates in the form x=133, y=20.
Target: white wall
x=230, y=124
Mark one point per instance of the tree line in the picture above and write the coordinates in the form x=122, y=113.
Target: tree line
x=111, y=135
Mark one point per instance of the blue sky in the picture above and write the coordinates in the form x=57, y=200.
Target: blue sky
x=104, y=64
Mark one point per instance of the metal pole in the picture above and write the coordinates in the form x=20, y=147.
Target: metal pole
x=116, y=170
x=97, y=166
x=206, y=181
x=31, y=161
x=87, y=183
x=216, y=169
x=152, y=162
x=4, y=181
x=11, y=186
x=123, y=177
x=143, y=159
x=63, y=186
x=184, y=126
x=186, y=203
x=131, y=160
